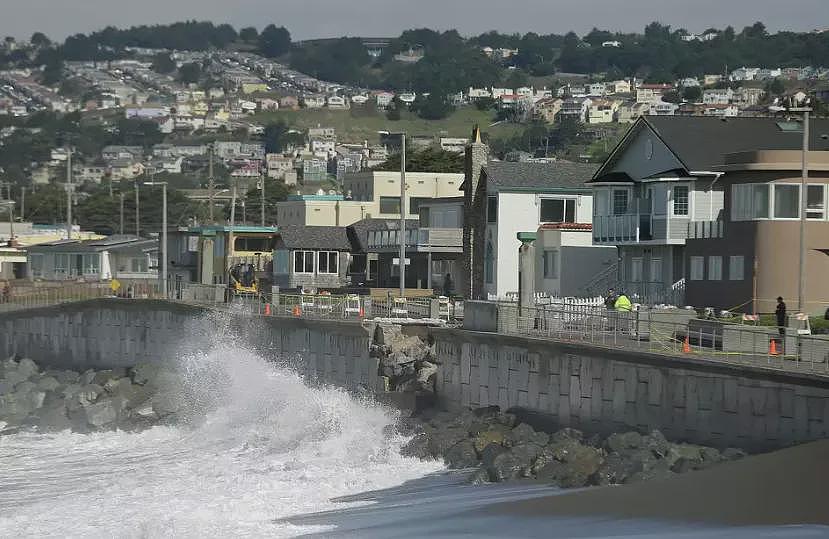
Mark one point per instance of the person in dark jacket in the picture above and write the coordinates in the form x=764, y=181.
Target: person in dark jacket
x=447, y=285
x=610, y=299
x=780, y=313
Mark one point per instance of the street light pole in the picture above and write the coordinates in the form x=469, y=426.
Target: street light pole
x=69, y=194
x=163, y=262
x=262, y=200
x=137, y=211
x=402, y=215
x=804, y=182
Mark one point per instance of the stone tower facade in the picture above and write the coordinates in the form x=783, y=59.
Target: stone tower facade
x=474, y=216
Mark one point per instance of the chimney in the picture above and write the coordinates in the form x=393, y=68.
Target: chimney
x=474, y=215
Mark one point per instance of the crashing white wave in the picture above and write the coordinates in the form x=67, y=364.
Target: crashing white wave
x=259, y=445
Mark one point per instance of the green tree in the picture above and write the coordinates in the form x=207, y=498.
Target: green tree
x=274, y=41
x=432, y=107
x=279, y=136
x=275, y=191
x=190, y=73
x=46, y=205
x=672, y=97
x=427, y=160
x=775, y=87
x=163, y=63
x=249, y=34
x=40, y=40
x=136, y=132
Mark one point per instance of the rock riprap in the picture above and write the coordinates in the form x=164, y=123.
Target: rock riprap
x=50, y=400
x=407, y=363
x=501, y=448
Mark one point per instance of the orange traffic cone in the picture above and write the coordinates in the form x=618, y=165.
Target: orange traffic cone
x=267, y=309
x=773, y=348
x=362, y=312
x=686, y=345
x=296, y=310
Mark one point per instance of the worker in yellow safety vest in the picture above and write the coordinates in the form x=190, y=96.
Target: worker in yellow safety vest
x=623, y=303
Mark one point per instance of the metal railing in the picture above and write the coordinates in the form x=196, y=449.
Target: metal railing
x=31, y=297
x=675, y=333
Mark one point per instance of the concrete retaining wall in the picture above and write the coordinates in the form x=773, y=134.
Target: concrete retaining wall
x=604, y=390
x=110, y=332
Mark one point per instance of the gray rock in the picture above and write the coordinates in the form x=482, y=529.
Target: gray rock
x=659, y=471
x=165, y=404
x=733, y=453
x=525, y=454
x=656, y=443
x=504, y=467
x=567, y=463
x=53, y=418
x=15, y=377
x=82, y=396
x=417, y=447
x=6, y=387
x=523, y=434
x=27, y=367
x=567, y=434
x=626, y=440
x=508, y=419
x=48, y=383
x=24, y=387
x=479, y=477
x=426, y=374
x=615, y=470
x=87, y=377
x=461, y=455
x=101, y=413
x=496, y=434
x=490, y=452
x=387, y=334
x=441, y=440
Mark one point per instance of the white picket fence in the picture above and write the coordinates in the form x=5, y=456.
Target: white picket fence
x=542, y=299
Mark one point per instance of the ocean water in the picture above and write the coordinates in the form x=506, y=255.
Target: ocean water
x=259, y=445
x=261, y=454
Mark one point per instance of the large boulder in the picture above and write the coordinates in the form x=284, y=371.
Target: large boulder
x=441, y=440
x=504, y=467
x=108, y=376
x=525, y=454
x=496, y=434
x=53, y=418
x=48, y=383
x=621, y=441
x=101, y=413
x=523, y=434
x=426, y=374
x=615, y=470
x=657, y=444
x=80, y=396
x=461, y=455
x=27, y=367
x=567, y=463
x=387, y=334
x=15, y=376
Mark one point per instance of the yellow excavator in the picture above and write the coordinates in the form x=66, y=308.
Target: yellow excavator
x=242, y=280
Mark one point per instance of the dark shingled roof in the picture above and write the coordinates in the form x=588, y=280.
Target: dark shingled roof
x=504, y=175
x=702, y=142
x=315, y=237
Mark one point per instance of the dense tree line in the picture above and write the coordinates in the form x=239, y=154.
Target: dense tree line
x=427, y=160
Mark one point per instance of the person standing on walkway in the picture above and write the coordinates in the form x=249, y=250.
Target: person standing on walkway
x=610, y=299
x=780, y=313
x=623, y=303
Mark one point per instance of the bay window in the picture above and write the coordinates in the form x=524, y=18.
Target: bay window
x=327, y=261
x=303, y=261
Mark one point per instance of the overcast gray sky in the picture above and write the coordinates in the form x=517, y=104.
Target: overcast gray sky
x=381, y=18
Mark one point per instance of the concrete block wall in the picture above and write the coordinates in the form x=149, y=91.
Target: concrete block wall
x=603, y=390
x=110, y=332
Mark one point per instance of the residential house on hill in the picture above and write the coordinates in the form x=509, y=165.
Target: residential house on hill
x=710, y=207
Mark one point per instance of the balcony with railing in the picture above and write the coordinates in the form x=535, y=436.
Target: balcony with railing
x=701, y=230
x=640, y=227
x=448, y=240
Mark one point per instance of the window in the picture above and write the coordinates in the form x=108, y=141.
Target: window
x=715, y=268
x=61, y=264
x=489, y=263
x=697, y=272
x=251, y=244
x=91, y=264
x=551, y=264
x=390, y=205
x=786, y=201
x=656, y=270
x=491, y=209
x=138, y=265
x=815, y=202
x=750, y=201
x=36, y=263
x=736, y=268
x=414, y=204
x=636, y=270
x=620, y=202
x=327, y=261
x=555, y=210
x=303, y=261
x=423, y=217
x=680, y=200
x=601, y=202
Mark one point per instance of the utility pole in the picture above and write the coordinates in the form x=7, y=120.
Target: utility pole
x=137, y=210
x=211, y=183
x=403, y=215
x=804, y=181
x=121, y=221
x=262, y=199
x=69, y=194
x=22, y=203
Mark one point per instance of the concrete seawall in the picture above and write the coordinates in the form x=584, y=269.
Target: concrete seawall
x=591, y=388
x=605, y=390
x=108, y=333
